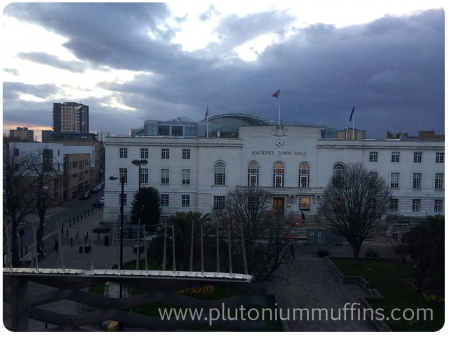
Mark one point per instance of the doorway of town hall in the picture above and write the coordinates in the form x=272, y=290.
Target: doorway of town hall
x=278, y=205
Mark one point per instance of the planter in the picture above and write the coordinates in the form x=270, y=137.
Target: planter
x=87, y=248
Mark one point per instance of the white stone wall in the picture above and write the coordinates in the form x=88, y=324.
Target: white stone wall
x=266, y=146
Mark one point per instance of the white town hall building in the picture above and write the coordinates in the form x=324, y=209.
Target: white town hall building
x=194, y=172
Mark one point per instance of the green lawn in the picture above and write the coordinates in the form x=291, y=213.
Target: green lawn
x=390, y=280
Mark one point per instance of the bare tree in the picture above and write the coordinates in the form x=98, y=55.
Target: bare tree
x=257, y=237
x=24, y=177
x=354, y=202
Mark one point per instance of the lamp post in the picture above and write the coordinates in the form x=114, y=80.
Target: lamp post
x=139, y=163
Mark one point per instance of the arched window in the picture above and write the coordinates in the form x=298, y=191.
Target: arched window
x=278, y=175
x=219, y=173
x=338, y=172
x=303, y=175
x=253, y=174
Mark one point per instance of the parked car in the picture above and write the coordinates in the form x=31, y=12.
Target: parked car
x=95, y=190
x=86, y=195
x=102, y=201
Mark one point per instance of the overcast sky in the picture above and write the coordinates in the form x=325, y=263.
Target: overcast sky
x=131, y=62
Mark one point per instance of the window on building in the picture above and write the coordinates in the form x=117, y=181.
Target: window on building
x=252, y=202
x=164, y=176
x=439, y=157
x=164, y=200
x=144, y=176
x=278, y=175
x=439, y=181
x=338, y=175
x=417, y=157
x=74, y=164
x=303, y=203
x=393, y=205
x=219, y=202
x=373, y=156
x=253, y=174
x=144, y=152
x=164, y=153
x=395, y=156
x=55, y=184
x=124, y=199
x=438, y=205
x=177, y=130
x=185, y=201
x=219, y=173
x=395, y=179
x=123, y=152
x=16, y=152
x=186, y=154
x=190, y=131
x=416, y=205
x=48, y=160
x=417, y=180
x=303, y=175
x=164, y=130
x=123, y=172
x=185, y=176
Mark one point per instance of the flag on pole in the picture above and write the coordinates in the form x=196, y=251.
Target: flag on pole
x=353, y=110
x=276, y=94
x=207, y=112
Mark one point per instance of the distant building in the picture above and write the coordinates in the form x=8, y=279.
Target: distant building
x=70, y=117
x=398, y=135
x=347, y=134
x=430, y=135
x=101, y=134
x=22, y=134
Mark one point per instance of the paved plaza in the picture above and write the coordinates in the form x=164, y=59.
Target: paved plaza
x=310, y=283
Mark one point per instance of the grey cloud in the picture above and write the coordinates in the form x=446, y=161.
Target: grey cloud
x=12, y=90
x=53, y=61
x=207, y=15
x=12, y=71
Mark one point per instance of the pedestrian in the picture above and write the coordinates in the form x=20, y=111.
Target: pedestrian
x=292, y=248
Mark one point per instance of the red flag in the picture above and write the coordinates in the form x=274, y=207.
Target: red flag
x=276, y=94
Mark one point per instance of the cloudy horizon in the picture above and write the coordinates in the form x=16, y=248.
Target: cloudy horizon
x=131, y=62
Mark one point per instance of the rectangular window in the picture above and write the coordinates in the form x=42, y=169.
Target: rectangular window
x=144, y=175
x=219, y=202
x=16, y=152
x=395, y=156
x=144, y=152
x=417, y=157
x=123, y=172
x=74, y=164
x=303, y=203
x=164, y=176
x=56, y=184
x=177, y=131
x=373, y=156
x=185, y=176
x=395, y=178
x=393, y=205
x=438, y=205
x=123, y=152
x=439, y=157
x=439, y=181
x=124, y=199
x=48, y=160
x=185, y=201
x=186, y=154
x=190, y=131
x=165, y=153
x=417, y=181
x=416, y=205
x=164, y=130
x=164, y=200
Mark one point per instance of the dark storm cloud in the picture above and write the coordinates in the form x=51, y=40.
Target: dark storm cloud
x=392, y=68
x=53, y=61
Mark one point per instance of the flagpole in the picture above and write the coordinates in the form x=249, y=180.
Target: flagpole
x=279, y=110
x=353, y=124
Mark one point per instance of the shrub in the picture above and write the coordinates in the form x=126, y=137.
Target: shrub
x=322, y=251
x=371, y=252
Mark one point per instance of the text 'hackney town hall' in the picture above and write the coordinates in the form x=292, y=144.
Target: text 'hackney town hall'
x=195, y=164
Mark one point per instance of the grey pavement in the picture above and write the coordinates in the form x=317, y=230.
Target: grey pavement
x=310, y=282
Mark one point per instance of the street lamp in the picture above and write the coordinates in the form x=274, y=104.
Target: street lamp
x=139, y=163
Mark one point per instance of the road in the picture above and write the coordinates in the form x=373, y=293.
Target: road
x=76, y=209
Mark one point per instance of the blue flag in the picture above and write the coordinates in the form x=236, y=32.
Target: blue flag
x=351, y=115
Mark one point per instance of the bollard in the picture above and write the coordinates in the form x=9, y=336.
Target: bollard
x=62, y=228
x=87, y=234
x=77, y=234
x=81, y=217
